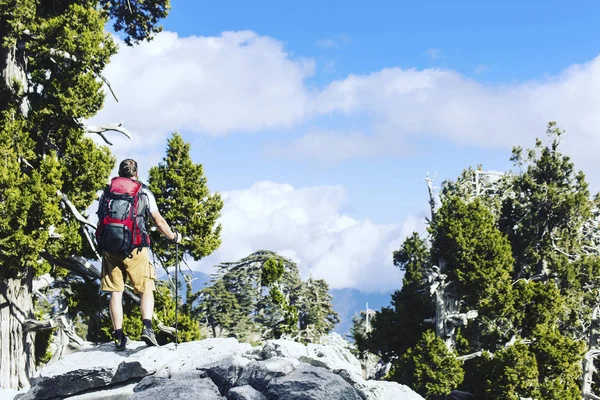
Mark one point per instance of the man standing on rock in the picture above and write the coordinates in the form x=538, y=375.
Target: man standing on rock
x=124, y=240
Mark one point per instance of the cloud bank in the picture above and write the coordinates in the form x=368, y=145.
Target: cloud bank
x=243, y=82
x=306, y=225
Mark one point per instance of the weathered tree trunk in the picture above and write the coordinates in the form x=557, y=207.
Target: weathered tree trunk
x=16, y=346
x=13, y=67
x=593, y=351
x=16, y=303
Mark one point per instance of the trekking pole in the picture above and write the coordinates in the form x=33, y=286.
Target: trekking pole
x=176, y=293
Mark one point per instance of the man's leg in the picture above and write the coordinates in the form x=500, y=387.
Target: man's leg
x=116, y=309
x=147, y=304
x=141, y=273
x=112, y=281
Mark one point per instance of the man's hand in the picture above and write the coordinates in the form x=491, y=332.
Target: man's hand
x=177, y=237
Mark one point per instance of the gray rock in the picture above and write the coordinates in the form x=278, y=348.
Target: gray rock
x=258, y=374
x=94, y=368
x=384, y=390
x=283, y=348
x=351, y=377
x=192, y=357
x=204, y=389
x=10, y=394
x=225, y=373
x=211, y=369
x=311, y=383
x=245, y=392
x=150, y=382
x=333, y=356
x=122, y=392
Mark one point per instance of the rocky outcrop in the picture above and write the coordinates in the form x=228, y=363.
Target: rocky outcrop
x=213, y=369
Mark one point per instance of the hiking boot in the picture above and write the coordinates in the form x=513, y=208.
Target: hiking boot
x=148, y=337
x=121, y=343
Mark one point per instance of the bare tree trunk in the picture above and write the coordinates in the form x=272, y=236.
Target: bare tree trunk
x=16, y=346
x=588, y=360
x=13, y=68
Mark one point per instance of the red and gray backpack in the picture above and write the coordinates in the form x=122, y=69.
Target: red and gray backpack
x=121, y=214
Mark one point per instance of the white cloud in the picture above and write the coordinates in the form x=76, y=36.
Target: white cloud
x=243, y=82
x=306, y=225
x=444, y=103
x=238, y=81
x=334, y=146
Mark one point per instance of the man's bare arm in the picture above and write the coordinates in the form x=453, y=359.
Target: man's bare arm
x=162, y=225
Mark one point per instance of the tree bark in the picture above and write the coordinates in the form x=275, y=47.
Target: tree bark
x=13, y=67
x=16, y=346
x=593, y=351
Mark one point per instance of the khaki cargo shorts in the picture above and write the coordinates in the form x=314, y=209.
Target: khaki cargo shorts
x=116, y=267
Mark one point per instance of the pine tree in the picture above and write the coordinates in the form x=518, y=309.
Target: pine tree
x=262, y=297
x=316, y=314
x=429, y=367
x=52, y=57
x=397, y=328
x=514, y=269
x=220, y=309
x=184, y=199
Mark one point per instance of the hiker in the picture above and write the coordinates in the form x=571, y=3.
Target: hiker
x=124, y=240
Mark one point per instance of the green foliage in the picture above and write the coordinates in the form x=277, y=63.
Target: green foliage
x=400, y=326
x=521, y=249
x=187, y=323
x=560, y=198
x=412, y=258
x=286, y=315
x=477, y=255
x=53, y=54
x=184, y=200
x=45, y=149
x=220, y=309
x=138, y=19
x=262, y=297
x=513, y=374
x=272, y=271
x=560, y=357
x=429, y=368
x=316, y=315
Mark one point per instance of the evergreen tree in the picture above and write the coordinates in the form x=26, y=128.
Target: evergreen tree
x=262, y=296
x=244, y=279
x=399, y=327
x=53, y=54
x=183, y=198
x=514, y=269
x=316, y=314
x=429, y=368
x=219, y=308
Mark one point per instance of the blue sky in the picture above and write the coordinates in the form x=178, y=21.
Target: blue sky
x=516, y=40
x=318, y=121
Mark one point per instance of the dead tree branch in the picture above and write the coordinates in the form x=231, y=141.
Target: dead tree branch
x=78, y=216
x=100, y=129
